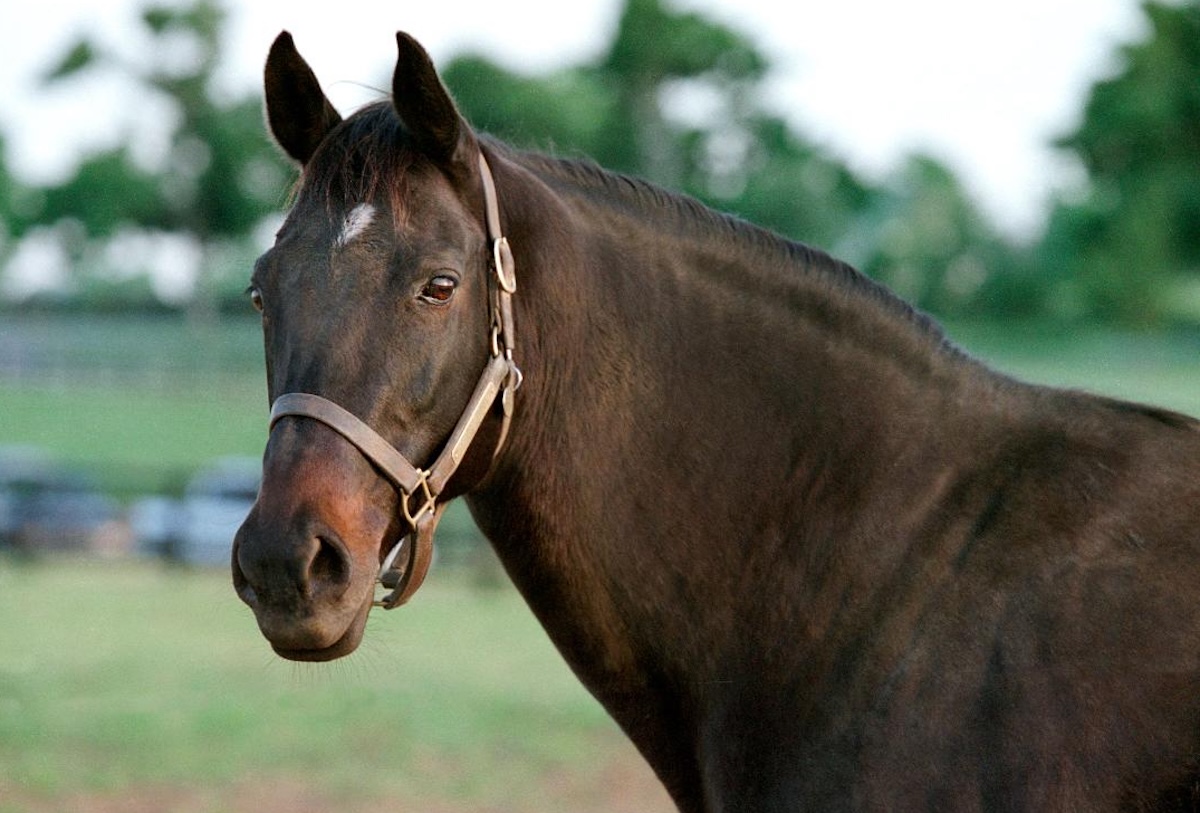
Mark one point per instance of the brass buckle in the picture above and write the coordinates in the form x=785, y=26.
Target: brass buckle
x=428, y=501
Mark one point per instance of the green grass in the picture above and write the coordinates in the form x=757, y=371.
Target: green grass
x=166, y=346
x=131, y=395
x=1156, y=368
x=140, y=402
x=131, y=681
x=123, y=676
x=129, y=426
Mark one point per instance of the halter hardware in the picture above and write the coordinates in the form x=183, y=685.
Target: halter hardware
x=402, y=575
x=428, y=501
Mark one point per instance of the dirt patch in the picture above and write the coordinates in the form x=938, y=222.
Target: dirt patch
x=621, y=784
x=625, y=784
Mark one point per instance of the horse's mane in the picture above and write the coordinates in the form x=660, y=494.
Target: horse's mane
x=361, y=158
x=699, y=221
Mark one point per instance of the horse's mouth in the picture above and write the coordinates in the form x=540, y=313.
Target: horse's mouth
x=294, y=647
x=346, y=645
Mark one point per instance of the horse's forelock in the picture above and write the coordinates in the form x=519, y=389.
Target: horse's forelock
x=363, y=159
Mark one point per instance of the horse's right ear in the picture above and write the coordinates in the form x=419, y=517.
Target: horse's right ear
x=299, y=114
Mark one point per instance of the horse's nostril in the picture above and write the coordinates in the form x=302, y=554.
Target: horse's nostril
x=241, y=583
x=330, y=566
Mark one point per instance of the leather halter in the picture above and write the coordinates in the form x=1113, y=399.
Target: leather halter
x=420, y=488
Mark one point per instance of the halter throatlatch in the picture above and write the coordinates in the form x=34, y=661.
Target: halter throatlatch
x=404, y=567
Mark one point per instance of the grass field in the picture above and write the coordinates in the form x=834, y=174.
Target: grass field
x=1162, y=369
x=136, y=687
x=132, y=687
x=138, y=402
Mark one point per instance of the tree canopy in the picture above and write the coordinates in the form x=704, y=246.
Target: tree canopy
x=1121, y=242
x=678, y=98
x=220, y=176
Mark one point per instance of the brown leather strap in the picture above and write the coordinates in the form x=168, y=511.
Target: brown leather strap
x=503, y=284
x=491, y=202
x=402, y=580
x=404, y=576
x=404, y=475
x=482, y=400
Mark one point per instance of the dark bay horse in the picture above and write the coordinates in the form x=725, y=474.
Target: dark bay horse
x=808, y=554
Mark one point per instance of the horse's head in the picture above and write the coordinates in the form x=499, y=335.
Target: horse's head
x=375, y=297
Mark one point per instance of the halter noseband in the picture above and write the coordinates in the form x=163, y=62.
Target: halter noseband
x=420, y=488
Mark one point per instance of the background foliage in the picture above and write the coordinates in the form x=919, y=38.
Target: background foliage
x=677, y=98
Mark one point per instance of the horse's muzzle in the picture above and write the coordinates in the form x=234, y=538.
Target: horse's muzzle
x=302, y=591
x=307, y=556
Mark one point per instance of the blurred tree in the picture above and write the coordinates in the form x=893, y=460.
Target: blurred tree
x=568, y=110
x=618, y=110
x=657, y=54
x=220, y=176
x=1117, y=245
x=108, y=190
x=675, y=98
x=923, y=236
x=779, y=180
x=10, y=225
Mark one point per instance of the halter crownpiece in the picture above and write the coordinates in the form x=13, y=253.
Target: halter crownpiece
x=420, y=488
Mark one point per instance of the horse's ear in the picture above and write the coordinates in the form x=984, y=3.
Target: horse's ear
x=425, y=106
x=299, y=114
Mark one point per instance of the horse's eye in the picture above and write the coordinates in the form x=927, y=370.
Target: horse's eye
x=439, y=290
x=256, y=299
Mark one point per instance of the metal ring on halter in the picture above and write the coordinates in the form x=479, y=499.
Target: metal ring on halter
x=390, y=559
x=391, y=575
x=515, y=377
x=502, y=256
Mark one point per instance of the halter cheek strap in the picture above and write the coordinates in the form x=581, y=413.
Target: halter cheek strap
x=419, y=489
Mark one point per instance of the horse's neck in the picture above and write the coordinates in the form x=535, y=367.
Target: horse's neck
x=692, y=410
x=712, y=331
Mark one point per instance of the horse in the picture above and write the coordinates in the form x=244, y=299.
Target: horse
x=808, y=553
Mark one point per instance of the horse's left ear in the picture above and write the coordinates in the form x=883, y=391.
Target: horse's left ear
x=425, y=106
